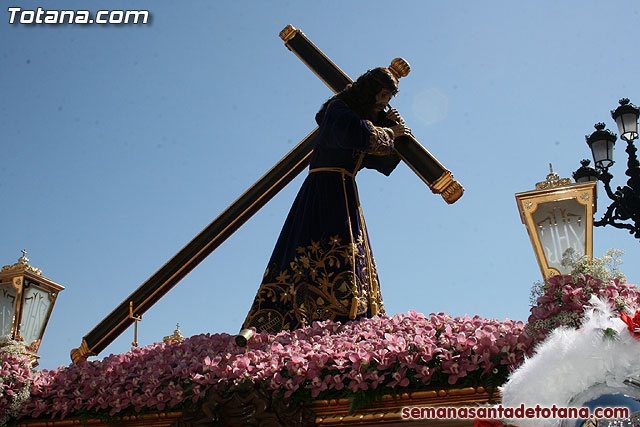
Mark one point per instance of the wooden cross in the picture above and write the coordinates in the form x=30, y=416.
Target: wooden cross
x=427, y=167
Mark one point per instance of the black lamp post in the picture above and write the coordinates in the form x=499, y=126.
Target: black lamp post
x=624, y=211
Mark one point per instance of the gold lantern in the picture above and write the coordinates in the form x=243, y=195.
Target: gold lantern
x=558, y=216
x=26, y=301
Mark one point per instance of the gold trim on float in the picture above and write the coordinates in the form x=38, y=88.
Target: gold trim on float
x=161, y=419
x=335, y=412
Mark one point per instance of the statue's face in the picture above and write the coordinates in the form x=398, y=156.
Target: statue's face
x=382, y=100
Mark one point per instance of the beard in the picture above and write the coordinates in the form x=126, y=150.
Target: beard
x=379, y=118
x=374, y=115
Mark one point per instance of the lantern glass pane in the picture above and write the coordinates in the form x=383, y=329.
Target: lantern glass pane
x=34, y=313
x=602, y=153
x=627, y=126
x=561, y=225
x=7, y=307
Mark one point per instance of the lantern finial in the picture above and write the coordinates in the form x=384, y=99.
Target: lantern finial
x=176, y=337
x=553, y=180
x=22, y=265
x=23, y=259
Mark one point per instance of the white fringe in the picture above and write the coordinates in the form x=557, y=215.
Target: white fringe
x=571, y=361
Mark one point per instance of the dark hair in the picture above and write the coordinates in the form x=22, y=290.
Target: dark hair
x=360, y=96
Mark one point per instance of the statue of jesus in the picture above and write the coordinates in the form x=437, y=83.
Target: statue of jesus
x=322, y=267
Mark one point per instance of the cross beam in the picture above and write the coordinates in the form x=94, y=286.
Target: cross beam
x=196, y=250
x=419, y=160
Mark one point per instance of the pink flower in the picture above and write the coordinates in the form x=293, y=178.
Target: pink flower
x=358, y=383
x=337, y=382
x=317, y=385
x=423, y=373
x=399, y=378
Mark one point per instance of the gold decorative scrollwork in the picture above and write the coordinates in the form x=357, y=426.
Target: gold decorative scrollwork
x=21, y=267
x=81, y=353
x=439, y=185
x=553, y=180
x=253, y=406
x=176, y=337
x=288, y=33
x=321, y=283
x=453, y=192
x=556, y=183
x=447, y=187
x=399, y=68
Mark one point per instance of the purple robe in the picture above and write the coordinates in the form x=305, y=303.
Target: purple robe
x=322, y=266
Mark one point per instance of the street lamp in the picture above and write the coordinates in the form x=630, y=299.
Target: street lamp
x=601, y=143
x=624, y=211
x=26, y=302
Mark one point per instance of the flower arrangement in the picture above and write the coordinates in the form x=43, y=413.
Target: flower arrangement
x=16, y=377
x=561, y=301
x=327, y=359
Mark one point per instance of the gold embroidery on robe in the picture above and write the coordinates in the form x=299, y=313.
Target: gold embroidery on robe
x=319, y=285
x=381, y=140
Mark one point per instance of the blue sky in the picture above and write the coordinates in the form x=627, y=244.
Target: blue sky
x=121, y=143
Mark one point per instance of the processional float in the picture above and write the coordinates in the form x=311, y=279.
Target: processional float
x=428, y=168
